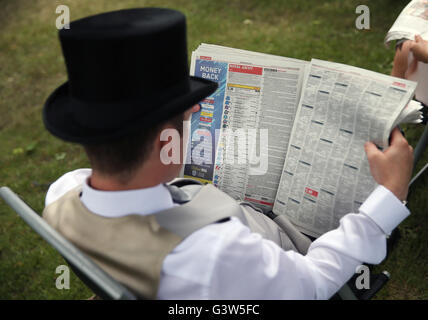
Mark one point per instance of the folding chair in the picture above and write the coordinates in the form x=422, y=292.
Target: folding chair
x=93, y=276
x=419, y=150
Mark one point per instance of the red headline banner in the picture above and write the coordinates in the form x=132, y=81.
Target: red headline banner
x=245, y=69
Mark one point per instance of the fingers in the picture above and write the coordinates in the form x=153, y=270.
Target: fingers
x=406, y=46
x=400, y=64
x=419, y=48
x=371, y=150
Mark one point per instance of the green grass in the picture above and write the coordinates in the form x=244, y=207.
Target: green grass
x=31, y=66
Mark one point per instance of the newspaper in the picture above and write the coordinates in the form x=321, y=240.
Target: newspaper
x=326, y=172
x=317, y=117
x=413, y=20
x=256, y=91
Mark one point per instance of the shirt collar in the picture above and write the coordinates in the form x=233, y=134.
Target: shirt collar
x=113, y=204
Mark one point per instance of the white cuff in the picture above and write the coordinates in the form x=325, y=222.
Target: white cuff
x=384, y=209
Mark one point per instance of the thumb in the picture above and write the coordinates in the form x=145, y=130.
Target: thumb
x=419, y=49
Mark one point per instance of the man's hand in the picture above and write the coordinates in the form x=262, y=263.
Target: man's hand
x=393, y=167
x=419, y=47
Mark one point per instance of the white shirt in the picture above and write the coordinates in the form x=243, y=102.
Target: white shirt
x=228, y=261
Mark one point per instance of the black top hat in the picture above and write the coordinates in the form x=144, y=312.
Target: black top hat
x=126, y=69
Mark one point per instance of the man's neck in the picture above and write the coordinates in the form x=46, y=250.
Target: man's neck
x=140, y=179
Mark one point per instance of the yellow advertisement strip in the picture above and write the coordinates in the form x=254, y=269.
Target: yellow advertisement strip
x=204, y=181
x=242, y=86
x=207, y=114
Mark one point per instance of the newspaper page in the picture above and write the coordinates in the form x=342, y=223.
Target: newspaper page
x=326, y=173
x=413, y=20
x=256, y=91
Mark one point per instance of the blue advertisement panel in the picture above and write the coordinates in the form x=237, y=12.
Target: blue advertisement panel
x=205, y=124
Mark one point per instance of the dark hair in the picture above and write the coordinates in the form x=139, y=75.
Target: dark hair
x=121, y=157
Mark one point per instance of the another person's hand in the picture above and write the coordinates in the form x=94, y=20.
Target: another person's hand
x=400, y=67
x=419, y=47
x=392, y=168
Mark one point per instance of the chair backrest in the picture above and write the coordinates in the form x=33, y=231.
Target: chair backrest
x=93, y=276
x=420, y=148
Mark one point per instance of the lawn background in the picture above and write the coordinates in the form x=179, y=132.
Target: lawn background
x=31, y=67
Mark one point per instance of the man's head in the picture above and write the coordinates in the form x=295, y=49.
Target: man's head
x=139, y=155
x=128, y=79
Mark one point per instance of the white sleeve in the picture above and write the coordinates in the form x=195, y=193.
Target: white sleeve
x=65, y=183
x=250, y=267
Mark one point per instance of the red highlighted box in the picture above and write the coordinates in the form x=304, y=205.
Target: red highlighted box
x=399, y=84
x=311, y=192
x=205, y=119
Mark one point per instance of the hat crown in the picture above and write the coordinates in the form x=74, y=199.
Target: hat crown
x=126, y=70
x=125, y=55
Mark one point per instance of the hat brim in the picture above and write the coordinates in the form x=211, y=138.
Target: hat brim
x=60, y=121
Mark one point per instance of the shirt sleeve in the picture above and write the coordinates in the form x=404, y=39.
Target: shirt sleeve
x=65, y=183
x=250, y=267
x=384, y=209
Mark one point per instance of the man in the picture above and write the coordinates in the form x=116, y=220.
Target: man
x=128, y=81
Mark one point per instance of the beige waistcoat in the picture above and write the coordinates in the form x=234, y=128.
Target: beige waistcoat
x=131, y=249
